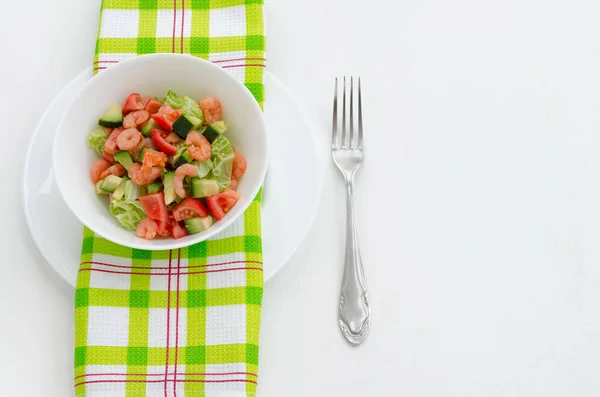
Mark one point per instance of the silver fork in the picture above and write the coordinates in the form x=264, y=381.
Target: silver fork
x=347, y=152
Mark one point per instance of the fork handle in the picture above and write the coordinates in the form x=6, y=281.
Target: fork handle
x=354, y=312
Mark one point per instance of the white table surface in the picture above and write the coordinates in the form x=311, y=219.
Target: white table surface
x=479, y=200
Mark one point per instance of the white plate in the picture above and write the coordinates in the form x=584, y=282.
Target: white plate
x=294, y=170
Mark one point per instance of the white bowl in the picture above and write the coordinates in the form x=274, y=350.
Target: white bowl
x=154, y=75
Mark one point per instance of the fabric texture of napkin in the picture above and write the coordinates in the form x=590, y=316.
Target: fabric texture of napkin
x=182, y=322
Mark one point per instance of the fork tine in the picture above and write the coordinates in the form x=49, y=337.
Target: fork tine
x=360, y=125
x=344, y=116
x=352, y=133
x=334, y=128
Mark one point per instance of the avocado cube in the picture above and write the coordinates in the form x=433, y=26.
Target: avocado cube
x=97, y=188
x=169, y=188
x=204, y=187
x=185, y=158
x=113, y=118
x=153, y=188
x=124, y=158
x=110, y=183
x=120, y=191
x=197, y=224
x=213, y=131
x=149, y=126
x=184, y=124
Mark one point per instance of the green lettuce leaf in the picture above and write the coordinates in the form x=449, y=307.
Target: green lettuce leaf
x=222, y=158
x=204, y=167
x=181, y=147
x=96, y=139
x=133, y=191
x=128, y=213
x=191, y=108
x=188, y=106
x=172, y=99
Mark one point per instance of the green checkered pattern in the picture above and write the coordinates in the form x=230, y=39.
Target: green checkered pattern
x=182, y=322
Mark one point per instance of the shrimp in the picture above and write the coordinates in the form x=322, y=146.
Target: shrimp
x=135, y=152
x=107, y=130
x=108, y=157
x=200, y=149
x=144, y=143
x=147, y=229
x=133, y=119
x=133, y=170
x=98, y=168
x=129, y=139
x=152, y=159
x=238, y=169
x=116, y=169
x=180, y=173
x=211, y=107
x=110, y=146
x=149, y=143
x=165, y=228
x=173, y=138
x=239, y=165
x=139, y=178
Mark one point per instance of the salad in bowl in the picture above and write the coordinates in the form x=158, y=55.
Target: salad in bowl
x=165, y=164
x=161, y=151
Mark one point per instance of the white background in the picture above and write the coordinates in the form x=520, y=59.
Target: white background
x=479, y=200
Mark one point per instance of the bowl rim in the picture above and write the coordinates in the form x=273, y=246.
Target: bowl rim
x=222, y=224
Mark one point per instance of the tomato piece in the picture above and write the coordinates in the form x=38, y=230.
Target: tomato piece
x=153, y=106
x=158, y=137
x=179, y=231
x=133, y=103
x=215, y=208
x=166, y=108
x=155, y=207
x=165, y=120
x=220, y=204
x=189, y=208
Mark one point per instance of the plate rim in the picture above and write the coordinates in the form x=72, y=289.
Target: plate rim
x=64, y=275
x=320, y=177
x=61, y=271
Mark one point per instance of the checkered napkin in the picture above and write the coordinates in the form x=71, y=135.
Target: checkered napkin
x=183, y=322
